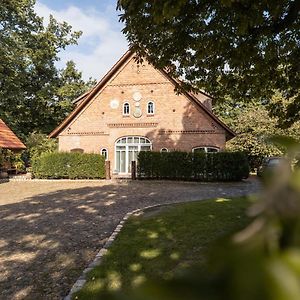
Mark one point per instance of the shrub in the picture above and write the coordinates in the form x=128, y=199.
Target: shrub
x=18, y=162
x=220, y=166
x=69, y=165
x=10, y=159
x=37, y=144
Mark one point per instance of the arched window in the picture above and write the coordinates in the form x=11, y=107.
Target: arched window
x=164, y=150
x=150, y=108
x=211, y=149
x=104, y=153
x=205, y=149
x=127, y=149
x=126, y=109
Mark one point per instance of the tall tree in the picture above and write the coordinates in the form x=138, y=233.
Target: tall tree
x=71, y=85
x=254, y=128
x=30, y=83
x=242, y=49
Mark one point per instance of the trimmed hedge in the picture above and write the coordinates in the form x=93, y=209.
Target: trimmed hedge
x=218, y=166
x=68, y=165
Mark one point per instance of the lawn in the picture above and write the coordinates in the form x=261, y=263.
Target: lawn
x=163, y=242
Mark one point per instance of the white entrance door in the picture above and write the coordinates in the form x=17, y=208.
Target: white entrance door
x=127, y=150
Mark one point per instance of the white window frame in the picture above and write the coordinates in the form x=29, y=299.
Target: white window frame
x=205, y=148
x=104, y=149
x=127, y=144
x=153, y=108
x=164, y=150
x=126, y=113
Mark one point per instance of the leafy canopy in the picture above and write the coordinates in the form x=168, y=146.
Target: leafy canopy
x=254, y=127
x=33, y=92
x=242, y=49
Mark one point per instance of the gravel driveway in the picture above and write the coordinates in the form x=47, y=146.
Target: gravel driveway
x=50, y=231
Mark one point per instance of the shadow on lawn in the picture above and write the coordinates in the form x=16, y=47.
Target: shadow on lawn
x=47, y=240
x=148, y=254
x=162, y=243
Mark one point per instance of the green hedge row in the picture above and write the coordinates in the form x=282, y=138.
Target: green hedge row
x=59, y=165
x=219, y=166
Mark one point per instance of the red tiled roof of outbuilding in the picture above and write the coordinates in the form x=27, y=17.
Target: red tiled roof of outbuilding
x=8, y=140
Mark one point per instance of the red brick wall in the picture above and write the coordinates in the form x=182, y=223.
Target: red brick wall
x=177, y=123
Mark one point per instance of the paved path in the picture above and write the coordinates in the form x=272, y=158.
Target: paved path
x=50, y=231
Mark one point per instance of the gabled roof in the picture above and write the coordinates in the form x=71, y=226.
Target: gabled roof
x=81, y=97
x=84, y=99
x=91, y=94
x=8, y=140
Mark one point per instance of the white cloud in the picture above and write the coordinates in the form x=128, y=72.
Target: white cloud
x=101, y=44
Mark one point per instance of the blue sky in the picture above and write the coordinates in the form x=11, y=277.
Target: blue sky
x=102, y=42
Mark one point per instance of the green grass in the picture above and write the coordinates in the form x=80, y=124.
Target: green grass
x=162, y=242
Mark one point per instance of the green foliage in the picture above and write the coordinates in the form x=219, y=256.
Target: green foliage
x=220, y=166
x=60, y=165
x=10, y=159
x=18, y=162
x=34, y=94
x=71, y=87
x=254, y=127
x=38, y=143
x=244, y=50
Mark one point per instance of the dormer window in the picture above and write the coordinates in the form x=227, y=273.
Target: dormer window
x=150, y=108
x=126, y=109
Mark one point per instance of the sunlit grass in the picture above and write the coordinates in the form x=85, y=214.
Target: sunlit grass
x=162, y=243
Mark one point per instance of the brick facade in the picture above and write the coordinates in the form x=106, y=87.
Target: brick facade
x=179, y=121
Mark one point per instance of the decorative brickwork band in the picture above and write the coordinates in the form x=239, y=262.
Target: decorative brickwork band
x=211, y=131
x=132, y=125
x=88, y=133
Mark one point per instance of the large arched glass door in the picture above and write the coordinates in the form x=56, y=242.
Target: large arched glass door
x=127, y=150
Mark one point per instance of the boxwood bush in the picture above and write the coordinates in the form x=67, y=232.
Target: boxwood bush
x=219, y=166
x=60, y=165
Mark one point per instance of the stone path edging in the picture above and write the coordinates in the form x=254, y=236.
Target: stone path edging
x=81, y=281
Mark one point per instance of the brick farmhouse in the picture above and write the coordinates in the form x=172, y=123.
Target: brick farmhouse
x=135, y=108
